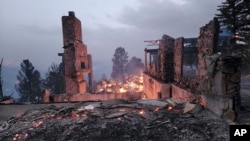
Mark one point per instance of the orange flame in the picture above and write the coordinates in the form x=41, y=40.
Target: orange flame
x=122, y=90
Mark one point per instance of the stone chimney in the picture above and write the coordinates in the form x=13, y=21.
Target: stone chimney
x=72, y=13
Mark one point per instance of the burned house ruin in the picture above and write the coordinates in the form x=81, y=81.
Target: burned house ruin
x=76, y=60
x=217, y=80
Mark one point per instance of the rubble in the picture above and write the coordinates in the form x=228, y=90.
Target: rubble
x=115, y=120
x=188, y=107
x=153, y=102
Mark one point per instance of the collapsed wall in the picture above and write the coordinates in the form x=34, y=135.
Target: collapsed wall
x=217, y=75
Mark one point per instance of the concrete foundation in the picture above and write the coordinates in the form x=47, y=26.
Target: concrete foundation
x=155, y=89
x=96, y=97
x=180, y=93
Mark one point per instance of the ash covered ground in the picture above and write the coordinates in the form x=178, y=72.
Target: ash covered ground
x=117, y=120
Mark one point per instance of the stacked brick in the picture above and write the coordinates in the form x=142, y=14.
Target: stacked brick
x=75, y=57
x=178, y=61
x=166, y=54
x=207, y=42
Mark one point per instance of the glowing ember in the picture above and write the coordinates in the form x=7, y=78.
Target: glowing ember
x=201, y=103
x=17, y=135
x=169, y=108
x=20, y=136
x=74, y=115
x=37, y=124
x=141, y=112
x=144, y=97
x=26, y=135
x=157, y=109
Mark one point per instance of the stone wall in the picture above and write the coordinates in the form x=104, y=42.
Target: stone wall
x=178, y=61
x=180, y=93
x=217, y=104
x=217, y=75
x=207, y=43
x=225, y=85
x=154, y=89
x=166, y=55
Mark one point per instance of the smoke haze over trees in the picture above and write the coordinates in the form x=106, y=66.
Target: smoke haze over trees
x=134, y=66
x=29, y=86
x=120, y=59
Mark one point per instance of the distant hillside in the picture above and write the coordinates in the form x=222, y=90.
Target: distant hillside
x=9, y=74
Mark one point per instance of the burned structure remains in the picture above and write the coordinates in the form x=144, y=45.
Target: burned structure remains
x=217, y=80
x=77, y=62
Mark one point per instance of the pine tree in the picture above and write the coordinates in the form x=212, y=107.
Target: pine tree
x=120, y=59
x=55, y=79
x=29, y=86
x=235, y=15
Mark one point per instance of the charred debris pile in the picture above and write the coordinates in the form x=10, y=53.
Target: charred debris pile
x=148, y=119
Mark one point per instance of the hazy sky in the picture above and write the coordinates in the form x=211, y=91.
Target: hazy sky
x=32, y=29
